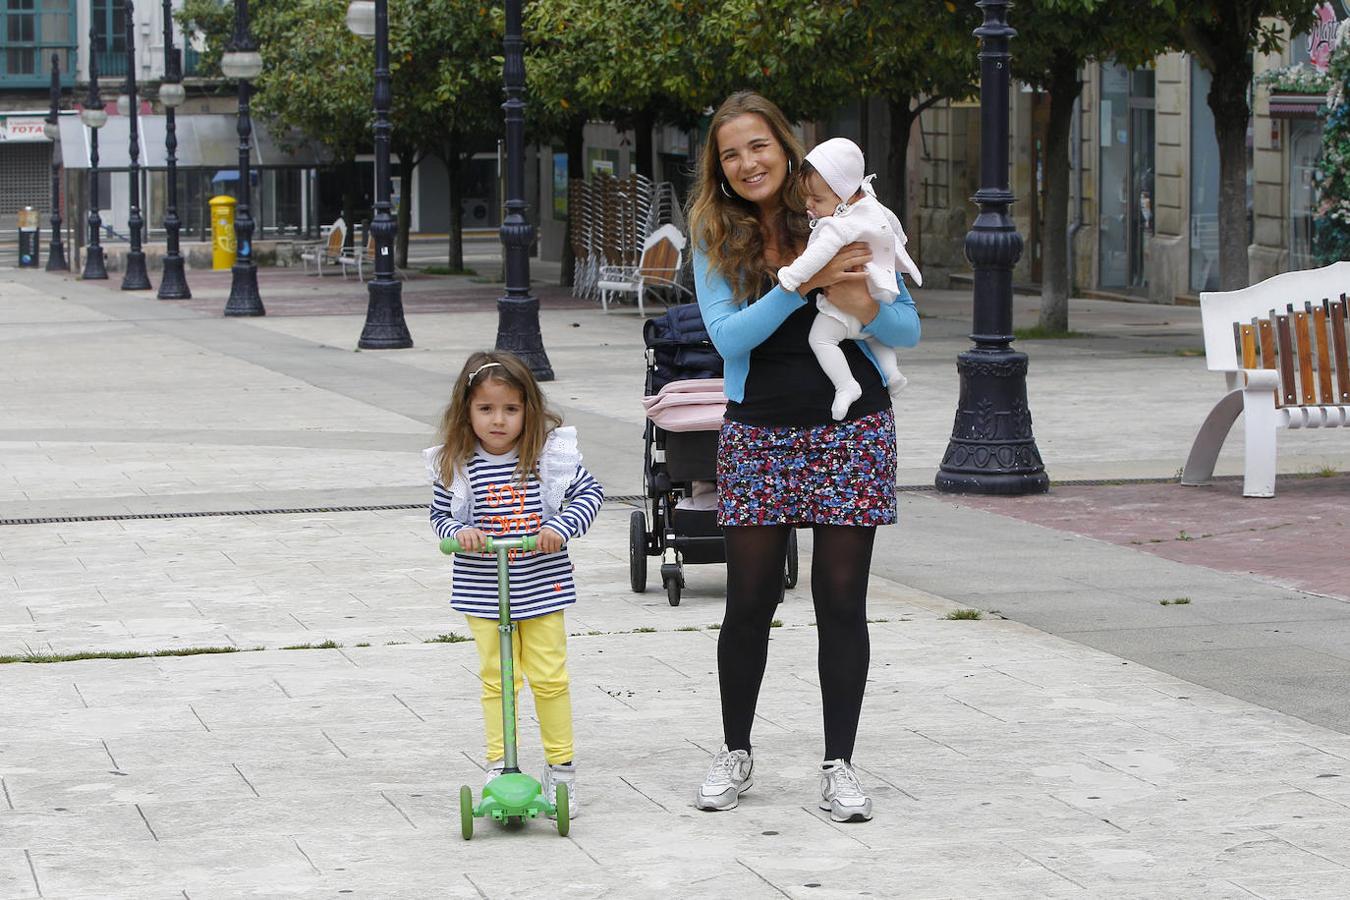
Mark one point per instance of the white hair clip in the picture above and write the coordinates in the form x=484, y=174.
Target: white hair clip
x=474, y=373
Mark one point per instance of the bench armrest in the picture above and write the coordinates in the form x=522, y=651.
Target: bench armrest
x=1260, y=379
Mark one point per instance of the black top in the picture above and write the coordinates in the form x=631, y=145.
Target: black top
x=787, y=387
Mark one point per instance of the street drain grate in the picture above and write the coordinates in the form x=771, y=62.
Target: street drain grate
x=201, y=514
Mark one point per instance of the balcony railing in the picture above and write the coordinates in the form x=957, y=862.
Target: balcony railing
x=112, y=63
x=31, y=66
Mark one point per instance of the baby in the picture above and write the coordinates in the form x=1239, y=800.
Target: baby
x=844, y=209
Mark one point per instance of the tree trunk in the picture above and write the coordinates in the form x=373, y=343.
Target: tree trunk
x=1228, y=101
x=576, y=171
x=897, y=161
x=450, y=155
x=1064, y=90
x=407, y=162
x=643, y=124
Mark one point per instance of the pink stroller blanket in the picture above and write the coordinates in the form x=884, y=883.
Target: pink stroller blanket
x=695, y=404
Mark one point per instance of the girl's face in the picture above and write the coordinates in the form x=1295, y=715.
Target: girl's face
x=753, y=161
x=497, y=414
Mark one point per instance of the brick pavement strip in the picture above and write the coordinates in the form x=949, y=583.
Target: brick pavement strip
x=1004, y=761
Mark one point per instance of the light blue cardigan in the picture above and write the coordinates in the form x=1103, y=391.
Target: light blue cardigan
x=737, y=328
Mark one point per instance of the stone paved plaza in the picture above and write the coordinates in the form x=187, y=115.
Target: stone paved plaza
x=253, y=486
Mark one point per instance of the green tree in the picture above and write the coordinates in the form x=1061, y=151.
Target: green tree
x=318, y=78
x=1049, y=53
x=1331, y=220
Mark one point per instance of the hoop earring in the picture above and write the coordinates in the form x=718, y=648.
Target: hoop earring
x=789, y=165
x=725, y=192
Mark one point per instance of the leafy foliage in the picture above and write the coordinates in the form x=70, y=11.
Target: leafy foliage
x=1331, y=221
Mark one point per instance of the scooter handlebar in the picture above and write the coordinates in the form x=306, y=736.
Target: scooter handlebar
x=494, y=545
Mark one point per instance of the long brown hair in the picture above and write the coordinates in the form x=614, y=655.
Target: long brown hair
x=456, y=431
x=726, y=228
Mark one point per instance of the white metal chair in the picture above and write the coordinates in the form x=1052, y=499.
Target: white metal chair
x=328, y=250
x=662, y=256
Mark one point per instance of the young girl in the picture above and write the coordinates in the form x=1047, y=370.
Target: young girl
x=507, y=467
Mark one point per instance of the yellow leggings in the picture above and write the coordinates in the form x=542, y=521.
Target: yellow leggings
x=539, y=648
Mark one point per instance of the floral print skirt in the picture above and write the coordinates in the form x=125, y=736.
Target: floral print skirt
x=842, y=473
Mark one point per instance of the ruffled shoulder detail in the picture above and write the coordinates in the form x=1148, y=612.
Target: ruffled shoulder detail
x=432, y=458
x=558, y=466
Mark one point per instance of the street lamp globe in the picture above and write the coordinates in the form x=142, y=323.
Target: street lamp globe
x=242, y=65
x=52, y=131
x=94, y=116
x=123, y=105
x=361, y=18
x=172, y=94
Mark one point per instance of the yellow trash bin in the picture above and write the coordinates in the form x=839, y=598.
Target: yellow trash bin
x=223, y=248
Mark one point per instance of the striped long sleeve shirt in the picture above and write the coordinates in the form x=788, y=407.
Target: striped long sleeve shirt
x=540, y=583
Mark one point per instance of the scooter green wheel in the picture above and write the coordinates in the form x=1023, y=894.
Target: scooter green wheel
x=560, y=801
x=466, y=811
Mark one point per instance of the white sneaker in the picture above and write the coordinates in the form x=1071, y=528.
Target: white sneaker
x=494, y=768
x=728, y=778
x=840, y=793
x=566, y=775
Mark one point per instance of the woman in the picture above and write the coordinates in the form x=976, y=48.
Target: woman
x=782, y=460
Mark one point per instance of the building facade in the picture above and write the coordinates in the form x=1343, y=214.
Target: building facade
x=1144, y=184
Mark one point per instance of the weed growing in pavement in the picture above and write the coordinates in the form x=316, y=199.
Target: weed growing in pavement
x=716, y=626
x=1183, y=536
x=688, y=628
x=324, y=645
x=120, y=654
x=594, y=633
x=1175, y=601
x=776, y=623
x=644, y=630
x=451, y=638
x=964, y=614
x=364, y=644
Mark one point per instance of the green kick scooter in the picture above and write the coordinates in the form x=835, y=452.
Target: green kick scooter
x=511, y=797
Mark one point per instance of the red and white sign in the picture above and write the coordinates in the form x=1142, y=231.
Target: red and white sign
x=22, y=128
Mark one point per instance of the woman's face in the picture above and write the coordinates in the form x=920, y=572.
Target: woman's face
x=753, y=161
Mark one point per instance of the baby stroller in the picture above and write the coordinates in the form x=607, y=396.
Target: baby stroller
x=685, y=406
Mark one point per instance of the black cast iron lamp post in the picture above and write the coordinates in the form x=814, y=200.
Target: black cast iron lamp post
x=173, y=285
x=56, y=255
x=385, y=328
x=243, y=62
x=518, y=312
x=135, y=277
x=94, y=117
x=992, y=450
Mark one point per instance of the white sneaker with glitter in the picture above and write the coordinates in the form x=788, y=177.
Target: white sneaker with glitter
x=728, y=778
x=840, y=793
x=566, y=775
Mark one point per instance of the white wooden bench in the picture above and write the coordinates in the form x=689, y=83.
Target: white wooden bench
x=1281, y=346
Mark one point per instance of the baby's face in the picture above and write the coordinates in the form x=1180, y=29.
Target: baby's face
x=820, y=200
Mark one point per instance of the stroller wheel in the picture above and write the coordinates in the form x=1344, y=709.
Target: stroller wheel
x=673, y=590
x=791, y=577
x=637, y=552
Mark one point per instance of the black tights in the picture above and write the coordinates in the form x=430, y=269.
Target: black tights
x=756, y=558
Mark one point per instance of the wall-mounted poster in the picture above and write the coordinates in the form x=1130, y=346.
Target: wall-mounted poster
x=560, y=185
x=601, y=161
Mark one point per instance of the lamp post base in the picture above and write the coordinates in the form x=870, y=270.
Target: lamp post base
x=173, y=283
x=244, y=298
x=992, y=449
x=94, y=267
x=56, y=258
x=385, y=328
x=136, y=278
x=518, y=333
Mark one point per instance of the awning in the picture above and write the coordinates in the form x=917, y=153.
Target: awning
x=1285, y=105
x=204, y=142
